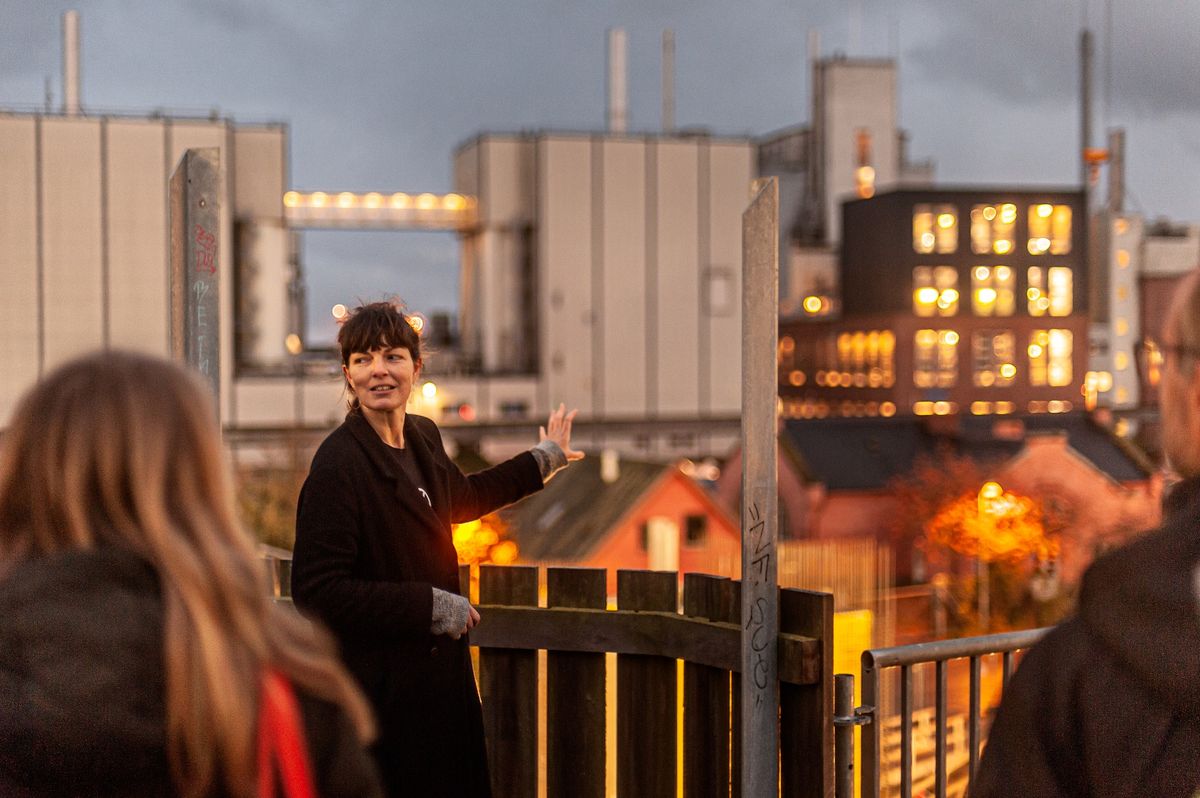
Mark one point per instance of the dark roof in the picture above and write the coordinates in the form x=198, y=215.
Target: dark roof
x=569, y=517
x=867, y=453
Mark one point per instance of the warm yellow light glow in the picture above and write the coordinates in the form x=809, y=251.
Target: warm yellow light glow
x=427, y=202
x=293, y=343
x=400, y=200
x=1002, y=246
x=887, y=409
x=787, y=344
x=948, y=298
x=338, y=310
x=923, y=408
x=454, y=202
x=1122, y=327
x=1044, y=210
x=812, y=304
x=950, y=337
x=991, y=491
x=989, y=213
x=346, y=200
x=1035, y=350
x=1033, y=294
x=942, y=409
x=1003, y=408
x=429, y=390
x=982, y=272
x=945, y=220
x=986, y=296
x=1121, y=361
x=927, y=241
x=926, y=296
x=1008, y=371
x=1123, y=258
x=291, y=199
x=796, y=378
x=1120, y=226
x=417, y=323
x=373, y=200
x=318, y=199
x=1003, y=273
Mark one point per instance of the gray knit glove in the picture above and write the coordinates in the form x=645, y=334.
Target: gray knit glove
x=450, y=613
x=550, y=458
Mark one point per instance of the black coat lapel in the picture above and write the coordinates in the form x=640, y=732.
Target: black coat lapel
x=406, y=493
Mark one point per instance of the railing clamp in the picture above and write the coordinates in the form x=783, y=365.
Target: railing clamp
x=861, y=717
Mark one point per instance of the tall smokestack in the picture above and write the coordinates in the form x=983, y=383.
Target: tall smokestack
x=618, y=87
x=668, y=81
x=70, y=54
x=1085, y=102
x=1116, y=170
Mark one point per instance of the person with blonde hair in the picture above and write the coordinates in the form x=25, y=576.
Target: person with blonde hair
x=140, y=653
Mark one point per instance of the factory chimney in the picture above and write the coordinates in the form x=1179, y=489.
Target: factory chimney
x=618, y=86
x=70, y=56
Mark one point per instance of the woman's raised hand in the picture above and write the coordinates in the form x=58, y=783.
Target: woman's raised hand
x=558, y=429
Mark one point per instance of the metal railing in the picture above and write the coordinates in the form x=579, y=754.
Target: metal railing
x=869, y=715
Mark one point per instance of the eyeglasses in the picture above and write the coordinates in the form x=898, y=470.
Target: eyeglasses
x=1151, y=356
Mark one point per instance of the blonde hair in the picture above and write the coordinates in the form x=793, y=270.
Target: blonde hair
x=123, y=450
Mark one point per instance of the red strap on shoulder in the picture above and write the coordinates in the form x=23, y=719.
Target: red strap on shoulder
x=281, y=741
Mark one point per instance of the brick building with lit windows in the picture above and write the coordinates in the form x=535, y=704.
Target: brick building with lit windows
x=952, y=301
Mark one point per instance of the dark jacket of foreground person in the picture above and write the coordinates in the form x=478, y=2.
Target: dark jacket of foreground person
x=82, y=686
x=1108, y=704
x=369, y=548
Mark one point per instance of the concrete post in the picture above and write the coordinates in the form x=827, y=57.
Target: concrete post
x=195, y=308
x=760, y=591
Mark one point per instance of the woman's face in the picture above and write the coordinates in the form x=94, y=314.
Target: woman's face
x=382, y=379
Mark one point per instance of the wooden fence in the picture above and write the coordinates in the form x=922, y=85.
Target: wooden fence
x=652, y=627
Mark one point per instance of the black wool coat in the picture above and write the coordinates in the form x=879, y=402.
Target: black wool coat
x=82, y=687
x=1107, y=705
x=369, y=548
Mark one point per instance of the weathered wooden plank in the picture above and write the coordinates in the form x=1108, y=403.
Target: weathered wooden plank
x=575, y=695
x=705, y=700
x=508, y=687
x=464, y=581
x=731, y=602
x=806, y=711
x=646, y=695
x=660, y=634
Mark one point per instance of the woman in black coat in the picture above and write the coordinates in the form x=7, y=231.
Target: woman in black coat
x=375, y=561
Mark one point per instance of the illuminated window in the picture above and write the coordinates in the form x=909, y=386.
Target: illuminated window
x=1050, y=358
x=865, y=359
x=935, y=358
x=992, y=228
x=935, y=291
x=992, y=290
x=1050, y=291
x=1049, y=229
x=935, y=229
x=993, y=352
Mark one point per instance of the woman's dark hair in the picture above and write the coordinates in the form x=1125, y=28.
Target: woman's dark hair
x=378, y=325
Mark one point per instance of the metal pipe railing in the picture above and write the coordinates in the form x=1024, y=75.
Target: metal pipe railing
x=906, y=657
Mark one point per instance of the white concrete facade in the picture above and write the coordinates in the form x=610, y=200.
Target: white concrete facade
x=84, y=244
x=616, y=261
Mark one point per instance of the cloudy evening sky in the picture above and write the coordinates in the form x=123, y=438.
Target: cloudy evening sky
x=378, y=93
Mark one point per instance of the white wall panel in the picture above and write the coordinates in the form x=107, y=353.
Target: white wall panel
x=18, y=262
x=565, y=274
x=678, y=273
x=623, y=308
x=138, y=268
x=731, y=167
x=259, y=180
x=72, y=303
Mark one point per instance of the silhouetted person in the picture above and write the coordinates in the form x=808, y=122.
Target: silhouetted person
x=1108, y=704
x=136, y=630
